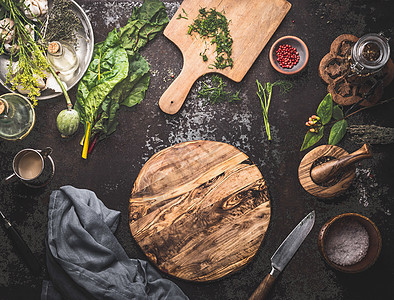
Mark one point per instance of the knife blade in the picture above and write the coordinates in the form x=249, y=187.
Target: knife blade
x=284, y=254
x=21, y=246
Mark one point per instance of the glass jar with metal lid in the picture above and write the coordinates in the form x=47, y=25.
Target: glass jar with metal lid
x=369, y=54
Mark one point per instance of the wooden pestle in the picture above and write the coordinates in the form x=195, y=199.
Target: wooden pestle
x=328, y=170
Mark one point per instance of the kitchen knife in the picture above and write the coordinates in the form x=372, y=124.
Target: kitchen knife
x=22, y=247
x=284, y=254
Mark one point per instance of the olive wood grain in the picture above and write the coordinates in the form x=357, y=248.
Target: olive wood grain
x=263, y=289
x=199, y=210
x=304, y=172
x=328, y=170
x=252, y=23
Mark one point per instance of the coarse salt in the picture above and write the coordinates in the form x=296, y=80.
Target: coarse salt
x=347, y=242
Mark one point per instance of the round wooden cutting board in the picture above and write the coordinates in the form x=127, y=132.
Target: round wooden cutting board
x=199, y=210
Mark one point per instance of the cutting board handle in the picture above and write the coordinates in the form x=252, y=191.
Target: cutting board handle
x=172, y=99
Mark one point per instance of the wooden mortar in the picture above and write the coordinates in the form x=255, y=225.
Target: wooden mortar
x=341, y=166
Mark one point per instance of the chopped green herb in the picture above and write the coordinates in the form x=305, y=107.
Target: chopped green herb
x=216, y=93
x=213, y=24
x=183, y=17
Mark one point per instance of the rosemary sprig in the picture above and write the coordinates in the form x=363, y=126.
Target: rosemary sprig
x=216, y=92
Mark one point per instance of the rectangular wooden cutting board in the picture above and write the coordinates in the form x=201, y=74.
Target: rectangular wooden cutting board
x=252, y=23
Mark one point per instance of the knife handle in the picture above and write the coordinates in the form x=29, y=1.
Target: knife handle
x=263, y=289
x=23, y=249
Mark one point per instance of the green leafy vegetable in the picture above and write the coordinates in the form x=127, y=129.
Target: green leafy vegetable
x=118, y=74
x=264, y=92
x=337, y=132
x=217, y=93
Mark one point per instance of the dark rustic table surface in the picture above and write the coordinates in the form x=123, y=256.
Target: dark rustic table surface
x=144, y=130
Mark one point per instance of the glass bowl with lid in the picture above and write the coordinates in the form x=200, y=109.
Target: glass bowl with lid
x=17, y=116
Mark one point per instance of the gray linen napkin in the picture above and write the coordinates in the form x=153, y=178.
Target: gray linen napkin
x=86, y=261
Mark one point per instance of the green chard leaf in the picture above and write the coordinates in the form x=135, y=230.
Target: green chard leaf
x=108, y=67
x=337, y=112
x=312, y=138
x=337, y=132
x=128, y=92
x=324, y=111
x=143, y=25
x=118, y=74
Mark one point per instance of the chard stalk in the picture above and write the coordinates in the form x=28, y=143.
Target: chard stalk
x=86, y=142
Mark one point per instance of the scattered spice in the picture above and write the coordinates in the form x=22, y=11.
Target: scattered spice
x=347, y=242
x=287, y=56
x=371, y=52
x=213, y=24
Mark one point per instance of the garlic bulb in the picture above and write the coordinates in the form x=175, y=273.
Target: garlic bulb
x=6, y=30
x=35, y=8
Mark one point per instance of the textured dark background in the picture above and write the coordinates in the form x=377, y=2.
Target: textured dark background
x=144, y=130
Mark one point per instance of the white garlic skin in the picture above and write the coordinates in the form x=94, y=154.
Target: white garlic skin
x=41, y=82
x=35, y=8
x=7, y=30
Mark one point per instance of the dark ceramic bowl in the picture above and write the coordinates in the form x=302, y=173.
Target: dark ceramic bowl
x=375, y=243
x=302, y=50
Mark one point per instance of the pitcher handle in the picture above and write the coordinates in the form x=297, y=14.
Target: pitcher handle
x=46, y=152
x=9, y=178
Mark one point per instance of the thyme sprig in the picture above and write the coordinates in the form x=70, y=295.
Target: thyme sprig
x=213, y=24
x=63, y=23
x=216, y=92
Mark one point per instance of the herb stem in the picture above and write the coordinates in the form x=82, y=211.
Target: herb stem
x=361, y=109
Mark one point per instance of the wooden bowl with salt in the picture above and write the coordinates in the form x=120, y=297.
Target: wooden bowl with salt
x=350, y=243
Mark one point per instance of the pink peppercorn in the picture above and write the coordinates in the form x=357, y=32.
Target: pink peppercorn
x=287, y=56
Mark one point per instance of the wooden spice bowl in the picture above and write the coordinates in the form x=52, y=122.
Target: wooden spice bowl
x=373, y=251
x=302, y=50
